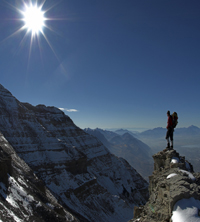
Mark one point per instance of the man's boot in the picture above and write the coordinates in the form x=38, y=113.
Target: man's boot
x=168, y=146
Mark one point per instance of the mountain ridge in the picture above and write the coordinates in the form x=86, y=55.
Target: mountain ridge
x=76, y=167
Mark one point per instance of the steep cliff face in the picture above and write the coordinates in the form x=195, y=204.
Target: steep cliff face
x=172, y=184
x=76, y=167
x=23, y=197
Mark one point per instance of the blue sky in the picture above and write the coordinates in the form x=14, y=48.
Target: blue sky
x=120, y=64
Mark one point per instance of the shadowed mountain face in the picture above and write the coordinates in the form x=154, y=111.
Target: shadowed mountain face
x=77, y=168
x=137, y=153
x=24, y=197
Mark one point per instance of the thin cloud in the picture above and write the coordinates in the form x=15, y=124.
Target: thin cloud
x=68, y=110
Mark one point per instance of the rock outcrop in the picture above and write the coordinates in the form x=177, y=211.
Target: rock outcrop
x=77, y=168
x=173, y=180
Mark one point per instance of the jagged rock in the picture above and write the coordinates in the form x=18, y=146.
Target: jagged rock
x=173, y=179
x=78, y=169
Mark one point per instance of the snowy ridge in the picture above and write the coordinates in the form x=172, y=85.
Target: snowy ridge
x=76, y=167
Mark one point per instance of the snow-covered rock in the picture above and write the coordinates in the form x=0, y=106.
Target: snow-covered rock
x=174, y=191
x=77, y=168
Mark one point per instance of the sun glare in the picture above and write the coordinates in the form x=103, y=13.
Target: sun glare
x=34, y=19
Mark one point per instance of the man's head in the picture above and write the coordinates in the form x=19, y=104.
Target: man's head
x=168, y=113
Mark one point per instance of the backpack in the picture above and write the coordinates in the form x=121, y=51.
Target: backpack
x=174, y=119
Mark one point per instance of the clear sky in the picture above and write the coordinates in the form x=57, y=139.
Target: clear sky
x=112, y=63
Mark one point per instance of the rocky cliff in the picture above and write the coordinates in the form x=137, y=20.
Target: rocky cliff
x=24, y=197
x=174, y=191
x=80, y=172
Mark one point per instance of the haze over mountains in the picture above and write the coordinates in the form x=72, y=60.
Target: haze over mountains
x=186, y=141
x=125, y=145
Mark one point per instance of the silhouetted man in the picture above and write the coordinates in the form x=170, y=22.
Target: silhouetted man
x=170, y=130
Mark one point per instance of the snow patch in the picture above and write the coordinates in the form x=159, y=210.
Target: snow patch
x=186, y=210
x=9, y=212
x=171, y=175
x=17, y=194
x=175, y=160
x=38, y=204
x=184, y=171
x=189, y=174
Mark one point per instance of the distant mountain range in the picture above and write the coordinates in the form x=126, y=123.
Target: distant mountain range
x=137, y=153
x=160, y=132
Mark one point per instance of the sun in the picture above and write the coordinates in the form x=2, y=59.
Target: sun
x=34, y=19
x=34, y=24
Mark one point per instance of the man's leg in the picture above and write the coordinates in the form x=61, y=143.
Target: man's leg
x=171, y=137
x=167, y=138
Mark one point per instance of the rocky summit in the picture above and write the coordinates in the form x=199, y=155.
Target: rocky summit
x=173, y=182
x=75, y=177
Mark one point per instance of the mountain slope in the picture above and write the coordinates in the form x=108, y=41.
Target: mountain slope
x=23, y=197
x=82, y=174
x=137, y=153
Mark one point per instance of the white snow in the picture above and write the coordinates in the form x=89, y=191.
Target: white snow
x=38, y=204
x=18, y=194
x=186, y=210
x=189, y=174
x=175, y=160
x=11, y=213
x=171, y=175
x=184, y=171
